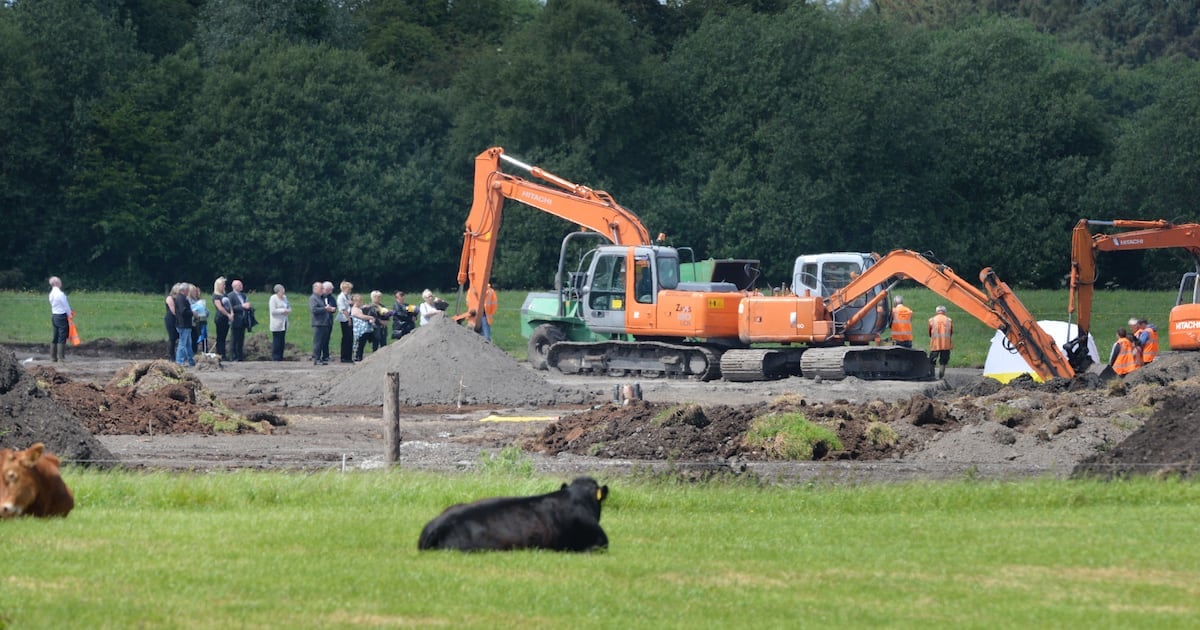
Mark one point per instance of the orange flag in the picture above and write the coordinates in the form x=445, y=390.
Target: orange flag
x=72, y=332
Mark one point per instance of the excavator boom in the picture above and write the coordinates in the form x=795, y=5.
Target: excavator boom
x=591, y=209
x=1085, y=245
x=999, y=308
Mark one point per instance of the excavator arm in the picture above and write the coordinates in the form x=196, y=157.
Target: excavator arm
x=999, y=308
x=1085, y=245
x=591, y=209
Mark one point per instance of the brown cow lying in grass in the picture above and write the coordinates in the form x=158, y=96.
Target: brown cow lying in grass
x=566, y=520
x=30, y=484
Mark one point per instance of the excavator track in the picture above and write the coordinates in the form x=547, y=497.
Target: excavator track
x=649, y=359
x=866, y=362
x=760, y=364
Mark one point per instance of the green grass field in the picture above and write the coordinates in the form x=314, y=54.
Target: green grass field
x=321, y=550
x=330, y=550
x=25, y=318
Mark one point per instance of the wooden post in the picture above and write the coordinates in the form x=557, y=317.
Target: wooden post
x=391, y=418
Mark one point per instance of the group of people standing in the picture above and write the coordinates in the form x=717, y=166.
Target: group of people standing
x=941, y=333
x=187, y=314
x=1135, y=347
x=363, y=323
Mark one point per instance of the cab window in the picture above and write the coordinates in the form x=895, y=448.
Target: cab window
x=643, y=281
x=836, y=275
x=608, y=285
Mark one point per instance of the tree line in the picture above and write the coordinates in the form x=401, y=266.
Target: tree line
x=143, y=143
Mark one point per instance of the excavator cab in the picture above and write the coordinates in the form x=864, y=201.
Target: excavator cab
x=604, y=296
x=822, y=275
x=1185, y=316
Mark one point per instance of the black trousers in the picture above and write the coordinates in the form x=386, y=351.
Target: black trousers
x=347, y=342
x=379, y=337
x=172, y=336
x=60, y=324
x=360, y=344
x=321, y=342
x=238, y=350
x=277, y=339
x=222, y=334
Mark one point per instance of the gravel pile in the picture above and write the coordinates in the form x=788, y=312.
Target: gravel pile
x=443, y=363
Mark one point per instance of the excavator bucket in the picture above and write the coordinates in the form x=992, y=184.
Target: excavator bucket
x=1106, y=374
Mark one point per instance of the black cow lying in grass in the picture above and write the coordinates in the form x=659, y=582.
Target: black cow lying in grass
x=566, y=520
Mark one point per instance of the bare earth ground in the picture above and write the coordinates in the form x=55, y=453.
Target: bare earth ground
x=463, y=401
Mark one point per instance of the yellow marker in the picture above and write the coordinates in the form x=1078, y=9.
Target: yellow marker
x=495, y=418
x=716, y=302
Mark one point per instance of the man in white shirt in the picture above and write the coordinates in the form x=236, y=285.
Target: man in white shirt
x=60, y=312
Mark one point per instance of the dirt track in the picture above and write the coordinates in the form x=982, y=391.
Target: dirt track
x=966, y=425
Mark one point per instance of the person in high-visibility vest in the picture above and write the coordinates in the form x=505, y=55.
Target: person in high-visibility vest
x=941, y=332
x=1123, y=357
x=1147, y=337
x=489, y=309
x=902, y=333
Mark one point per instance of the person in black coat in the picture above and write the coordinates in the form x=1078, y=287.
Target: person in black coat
x=402, y=317
x=242, y=318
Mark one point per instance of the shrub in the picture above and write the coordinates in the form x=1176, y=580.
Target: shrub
x=791, y=436
x=881, y=434
x=509, y=462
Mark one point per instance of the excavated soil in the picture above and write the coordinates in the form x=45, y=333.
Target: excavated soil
x=463, y=402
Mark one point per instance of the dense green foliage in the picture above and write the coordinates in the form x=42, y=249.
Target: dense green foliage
x=144, y=143
x=268, y=549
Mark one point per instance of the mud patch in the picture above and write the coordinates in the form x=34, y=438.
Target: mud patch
x=1167, y=444
x=690, y=432
x=146, y=398
x=28, y=414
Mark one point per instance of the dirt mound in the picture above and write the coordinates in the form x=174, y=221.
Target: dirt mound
x=28, y=414
x=1168, y=368
x=146, y=398
x=642, y=430
x=443, y=363
x=1168, y=443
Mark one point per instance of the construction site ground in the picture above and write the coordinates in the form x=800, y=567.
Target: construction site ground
x=463, y=403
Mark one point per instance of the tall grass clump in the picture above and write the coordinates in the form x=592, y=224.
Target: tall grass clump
x=881, y=434
x=791, y=436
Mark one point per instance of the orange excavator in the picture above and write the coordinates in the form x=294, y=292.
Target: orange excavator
x=631, y=309
x=813, y=320
x=1184, y=326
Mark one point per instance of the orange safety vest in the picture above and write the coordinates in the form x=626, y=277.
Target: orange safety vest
x=902, y=324
x=1150, y=348
x=941, y=328
x=1126, y=362
x=489, y=304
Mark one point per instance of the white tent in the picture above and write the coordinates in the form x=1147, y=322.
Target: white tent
x=1005, y=365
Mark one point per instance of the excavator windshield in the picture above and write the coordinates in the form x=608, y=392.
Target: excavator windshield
x=668, y=271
